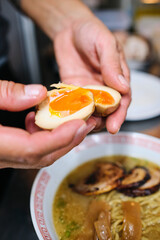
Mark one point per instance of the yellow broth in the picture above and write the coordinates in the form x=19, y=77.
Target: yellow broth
x=69, y=207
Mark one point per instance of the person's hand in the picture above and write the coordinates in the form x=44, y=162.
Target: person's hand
x=88, y=53
x=34, y=148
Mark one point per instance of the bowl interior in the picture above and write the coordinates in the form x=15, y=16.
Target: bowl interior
x=94, y=146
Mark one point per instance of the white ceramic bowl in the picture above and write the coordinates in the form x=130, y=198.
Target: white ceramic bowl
x=95, y=145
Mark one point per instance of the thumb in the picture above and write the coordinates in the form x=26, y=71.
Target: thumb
x=17, y=97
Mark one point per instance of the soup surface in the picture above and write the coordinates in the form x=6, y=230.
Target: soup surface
x=71, y=208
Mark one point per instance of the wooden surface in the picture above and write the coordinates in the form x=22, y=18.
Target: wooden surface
x=150, y=127
x=155, y=131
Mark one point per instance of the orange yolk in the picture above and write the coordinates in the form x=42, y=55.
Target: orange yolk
x=102, y=97
x=66, y=102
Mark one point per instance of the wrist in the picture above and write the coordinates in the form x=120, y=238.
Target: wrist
x=73, y=11
x=54, y=16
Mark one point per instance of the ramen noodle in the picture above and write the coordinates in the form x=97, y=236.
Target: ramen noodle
x=70, y=208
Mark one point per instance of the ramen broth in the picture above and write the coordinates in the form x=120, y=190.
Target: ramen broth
x=70, y=208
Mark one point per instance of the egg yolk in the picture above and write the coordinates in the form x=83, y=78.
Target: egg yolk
x=66, y=101
x=102, y=97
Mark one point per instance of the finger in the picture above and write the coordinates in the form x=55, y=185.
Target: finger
x=124, y=66
x=18, y=97
x=61, y=136
x=14, y=164
x=39, y=143
x=31, y=127
x=49, y=159
x=83, y=80
x=110, y=63
x=115, y=120
x=53, y=156
x=18, y=160
x=100, y=123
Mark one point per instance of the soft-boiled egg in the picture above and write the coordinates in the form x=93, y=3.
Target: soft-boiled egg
x=106, y=99
x=68, y=102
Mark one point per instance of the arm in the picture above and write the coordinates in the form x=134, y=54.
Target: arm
x=53, y=16
x=45, y=13
x=86, y=51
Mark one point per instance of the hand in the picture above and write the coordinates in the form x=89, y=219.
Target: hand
x=34, y=148
x=88, y=53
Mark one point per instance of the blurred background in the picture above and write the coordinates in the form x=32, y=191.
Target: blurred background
x=136, y=23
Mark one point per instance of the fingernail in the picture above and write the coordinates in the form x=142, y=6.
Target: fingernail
x=33, y=90
x=113, y=126
x=117, y=131
x=123, y=81
x=91, y=124
x=81, y=131
x=85, y=129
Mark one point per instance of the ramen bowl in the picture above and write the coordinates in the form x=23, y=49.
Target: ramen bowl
x=93, y=146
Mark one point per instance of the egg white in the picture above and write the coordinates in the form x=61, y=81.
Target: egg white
x=44, y=119
x=105, y=109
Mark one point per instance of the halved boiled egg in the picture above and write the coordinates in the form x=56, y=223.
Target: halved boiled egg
x=68, y=102
x=106, y=99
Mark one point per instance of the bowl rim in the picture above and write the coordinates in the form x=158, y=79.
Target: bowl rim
x=153, y=144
